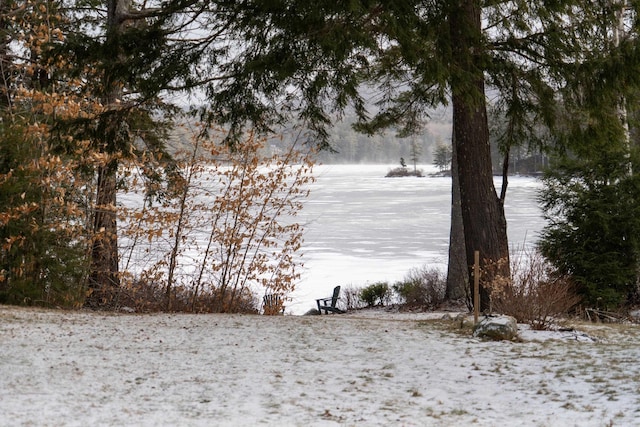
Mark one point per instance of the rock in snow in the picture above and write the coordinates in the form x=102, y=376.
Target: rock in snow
x=496, y=328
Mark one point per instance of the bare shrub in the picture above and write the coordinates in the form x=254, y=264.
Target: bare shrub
x=493, y=280
x=350, y=296
x=142, y=296
x=225, y=230
x=272, y=305
x=536, y=294
x=422, y=288
x=209, y=300
x=146, y=296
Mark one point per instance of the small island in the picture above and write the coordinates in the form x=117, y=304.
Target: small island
x=399, y=172
x=404, y=171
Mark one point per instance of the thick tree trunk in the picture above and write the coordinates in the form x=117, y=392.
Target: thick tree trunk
x=457, y=269
x=104, y=278
x=482, y=211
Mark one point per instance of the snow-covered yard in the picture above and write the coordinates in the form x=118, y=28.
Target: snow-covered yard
x=86, y=369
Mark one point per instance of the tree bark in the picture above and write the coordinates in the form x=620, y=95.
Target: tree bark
x=104, y=278
x=457, y=268
x=483, y=217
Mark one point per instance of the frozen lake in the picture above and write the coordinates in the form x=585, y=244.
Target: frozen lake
x=361, y=227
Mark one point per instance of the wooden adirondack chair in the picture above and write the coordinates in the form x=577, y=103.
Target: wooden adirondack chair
x=329, y=304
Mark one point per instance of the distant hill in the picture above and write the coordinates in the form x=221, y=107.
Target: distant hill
x=348, y=146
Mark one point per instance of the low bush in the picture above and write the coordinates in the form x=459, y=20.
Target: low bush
x=422, y=288
x=375, y=293
x=350, y=296
x=273, y=305
x=148, y=296
x=537, y=293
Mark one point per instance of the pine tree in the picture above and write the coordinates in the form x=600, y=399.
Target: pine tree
x=42, y=258
x=591, y=190
x=415, y=151
x=417, y=55
x=263, y=63
x=442, y=156
x=124, y=70
x=457, y=267
x=591, y=205
x=525, y=52
x=104, y=280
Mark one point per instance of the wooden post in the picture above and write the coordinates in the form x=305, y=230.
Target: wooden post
x=476, y=286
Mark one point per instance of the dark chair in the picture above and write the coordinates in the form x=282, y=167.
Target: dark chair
x=329, y=304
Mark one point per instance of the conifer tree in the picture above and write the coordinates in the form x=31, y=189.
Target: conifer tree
x=312, y=59
x=125, y=69
x=42, y=257
x=591, y=191
x=421, y=54
x=141, y=56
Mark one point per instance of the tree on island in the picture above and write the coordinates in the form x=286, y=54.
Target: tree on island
x=416, y=152
x=442, y=156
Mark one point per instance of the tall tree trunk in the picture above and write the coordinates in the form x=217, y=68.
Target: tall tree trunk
x=483, y=217
x=457, y=268
x=104, y=278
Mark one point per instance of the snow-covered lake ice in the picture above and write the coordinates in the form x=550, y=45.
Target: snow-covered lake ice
x=361, y=227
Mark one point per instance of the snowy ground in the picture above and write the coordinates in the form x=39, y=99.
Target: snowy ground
x=86, y=369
